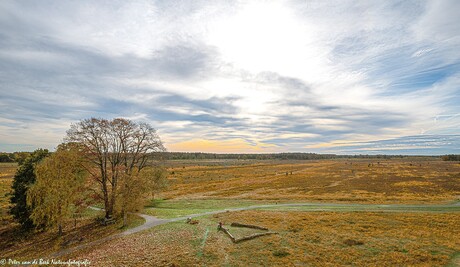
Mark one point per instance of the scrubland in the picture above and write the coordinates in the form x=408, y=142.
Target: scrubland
x=7, y=171
x=303, y=239
x=358, y=180
x=370, y=223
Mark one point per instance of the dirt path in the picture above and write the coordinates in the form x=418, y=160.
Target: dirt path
x=151, y=221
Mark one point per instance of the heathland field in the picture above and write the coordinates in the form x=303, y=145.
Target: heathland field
x=408, y=180
x=302, y=239
x=352, y=212
x=7, y=171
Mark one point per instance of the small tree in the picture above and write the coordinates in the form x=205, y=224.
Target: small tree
x=23, y=179
x=20, y=157
x=54, y=196
x=137, y=186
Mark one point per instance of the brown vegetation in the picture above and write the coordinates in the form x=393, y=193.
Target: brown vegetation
x=305, y=238
x=20, y=245
x=363, y=180
x=7, y=171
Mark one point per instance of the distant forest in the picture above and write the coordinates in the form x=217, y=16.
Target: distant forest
x=269, y=156
x=20, y=156
x=14, y=157
x=451, y=157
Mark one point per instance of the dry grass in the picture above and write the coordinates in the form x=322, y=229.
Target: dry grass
x=19, y=245
x=365, y=181
x=7, y=171
x=363, y=239
x=305, y=239
x=5, y=188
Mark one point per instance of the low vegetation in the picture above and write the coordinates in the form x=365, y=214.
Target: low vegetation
x=184, y=207
x=360, y=230
x=316, y=238
x=26, y=245
x=408, y=180
x=7, y=171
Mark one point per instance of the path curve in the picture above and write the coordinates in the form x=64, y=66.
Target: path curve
x=152, y=221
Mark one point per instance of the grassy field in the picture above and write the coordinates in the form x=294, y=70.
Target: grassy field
x=304, y=238
x=359, y=180
x=183, y=207
x=347, y=219
x=7, y=171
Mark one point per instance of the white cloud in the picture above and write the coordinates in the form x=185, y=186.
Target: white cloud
x=303, y=72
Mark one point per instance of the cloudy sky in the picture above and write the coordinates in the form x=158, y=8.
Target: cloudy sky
x=354, y=77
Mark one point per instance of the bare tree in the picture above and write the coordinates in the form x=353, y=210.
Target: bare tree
x=114, y=149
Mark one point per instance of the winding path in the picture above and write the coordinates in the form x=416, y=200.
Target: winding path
x=151, y=221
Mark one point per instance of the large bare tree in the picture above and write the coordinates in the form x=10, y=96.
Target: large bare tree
x=114, y=149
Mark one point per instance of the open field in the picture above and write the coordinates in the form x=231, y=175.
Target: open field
x=168, y=209
x=351, y=212
x=7, y=171
x=407, y=180
x=184, y=207
x=312, y=239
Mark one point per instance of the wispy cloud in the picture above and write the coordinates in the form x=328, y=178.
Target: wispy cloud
x=407, y=145
x=231, y=76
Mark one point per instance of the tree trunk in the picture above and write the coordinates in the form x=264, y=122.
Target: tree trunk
x=105, y=191
x=107, y=207
x=253, y=236
x=235, y=224
x=113, y=196
x=125, y=218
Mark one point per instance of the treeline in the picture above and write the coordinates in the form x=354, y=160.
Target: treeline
x=200, y=155
x=21, y=156
x=269, y=156
x=14, y=157
x=451, y=157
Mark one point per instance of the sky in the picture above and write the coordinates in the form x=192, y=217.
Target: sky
x=343, y=77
